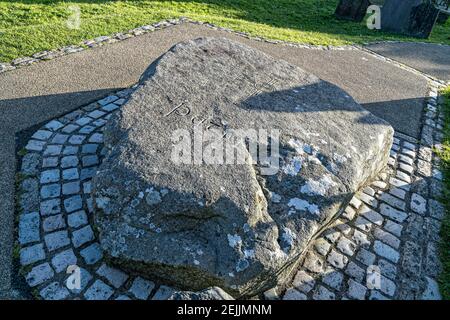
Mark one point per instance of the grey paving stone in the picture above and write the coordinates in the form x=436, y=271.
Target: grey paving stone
x=96, y=138
x=108, y=100
x=32, y=254
x=87, y=187
x=360, y=238
x=50, y=191
x=30, y=163
x=87, y=129
x=42, y=135
x=54, y=291
x=54, y=125
x=418, y=204
x=83, y=120
x=303, y=282
x=399, y=193
x=431, y=291
x=386, y=251
x=56, y=240
x=366, y=257
x=110, y=107
x=64, y=259
x=99, y=122
x=403, y=176
x=99, y=291
x=394, y=214
x=313, y=263
x=400, y=184
x=322, y=246
x=49, y=176
x=39, y=274
x=387, y=269
x=69, y=162
x=53, y=223
x=371, y=215
x=346, y=246
x=77, y=219
x=96, y=114
x=393, y=228
x=50, y=162
x=363, y=224
x=141, y=288
x=123, y=297
x=388, y=287
x=53, y=150
x=393, y=201
x=323, y=293
x=29, y=225
x=70, y=128
x=89, y=148
x=90, y=160
x=291, y=294
x=349, y=213
x=114, y=276
x=71, y=188
x=369, y=200
x=73, y=203
x=88, y=173
x=331, y=235
x=387, y=238
x=333, y=278
x=437, y=210
x=92, y=254
x=49, y=207
x=70, y=150
x=60, y=138
x=355, y=271
x=376, y=295
x=356, y=290
x=337, y=260
x=82, y=236
x=70, y=174
x=35, y=145
x=77, y=139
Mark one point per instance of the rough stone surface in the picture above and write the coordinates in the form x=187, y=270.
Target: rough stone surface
x=338, y=149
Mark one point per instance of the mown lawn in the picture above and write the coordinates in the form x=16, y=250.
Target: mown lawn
x=445, y=229
x=30, y=26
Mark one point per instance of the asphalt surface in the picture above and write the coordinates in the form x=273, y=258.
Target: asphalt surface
x=40, y=92
x=432, y=59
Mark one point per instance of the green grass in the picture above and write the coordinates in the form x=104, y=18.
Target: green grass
x=30, y=26
x=444, y=280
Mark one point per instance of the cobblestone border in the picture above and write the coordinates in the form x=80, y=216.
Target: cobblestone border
x=385, y=245
x=389, y=232
x=120, y=36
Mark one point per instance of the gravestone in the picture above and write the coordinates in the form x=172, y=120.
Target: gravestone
x=410, y=17
x=354, y=10
x=195, y=223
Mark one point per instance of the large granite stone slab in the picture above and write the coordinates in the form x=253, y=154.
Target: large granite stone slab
x=242, y=226
x=410, y=17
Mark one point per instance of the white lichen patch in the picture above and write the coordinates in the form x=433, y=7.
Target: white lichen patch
x=303, y=205
x=274, y=197
x=248, y=253
x=288, y=238
x=318, y=187
x=234, y=240
x=102, y=202
x=338, y=158
x=294, y=166
x=153, y=197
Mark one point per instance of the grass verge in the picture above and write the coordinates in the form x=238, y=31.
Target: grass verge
x=30, y=26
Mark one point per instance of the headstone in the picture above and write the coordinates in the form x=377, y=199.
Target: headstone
x=212, y=218
x=410, y=17
x=354, y=10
